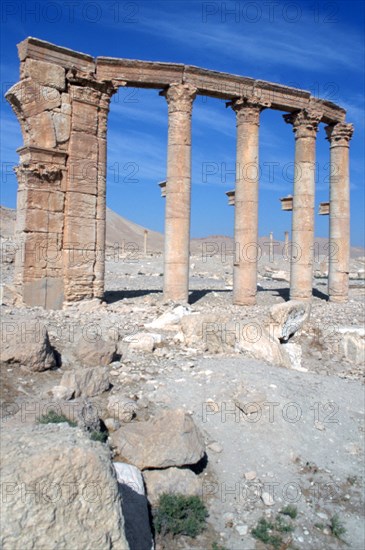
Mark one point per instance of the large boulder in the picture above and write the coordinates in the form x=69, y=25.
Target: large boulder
x=352, y=344
x=141, y=341
x=59, y=491
x=27, y=344
x=265, y=347
x=95, y=353
x=210, y=332
x=169, y=319
x=83, y=382
x=170, y=439
x=172, y=481
x=287, y=318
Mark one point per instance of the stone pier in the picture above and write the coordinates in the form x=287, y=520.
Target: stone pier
x=62, y=102
x=339, y=136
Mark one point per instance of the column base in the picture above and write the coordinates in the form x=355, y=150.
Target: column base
x=299, y=298
x=338, y=299
x=250, y=301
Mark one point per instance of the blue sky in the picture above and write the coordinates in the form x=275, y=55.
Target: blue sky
x=317, y=46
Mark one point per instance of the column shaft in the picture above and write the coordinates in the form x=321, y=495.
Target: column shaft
x=180, y=99
x=339, y=136
x=246, y=201
x=305, y=126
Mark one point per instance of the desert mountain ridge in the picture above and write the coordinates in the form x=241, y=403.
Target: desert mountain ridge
x=121, y=230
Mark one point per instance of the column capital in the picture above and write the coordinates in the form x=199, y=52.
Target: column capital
x=305, y=122
x=248, y=108
x=179, y=96
x=340, y=133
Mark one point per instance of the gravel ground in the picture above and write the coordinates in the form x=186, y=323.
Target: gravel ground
x=298, y=436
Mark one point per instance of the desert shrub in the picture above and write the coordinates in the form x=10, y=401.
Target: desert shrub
x=99, y=436
x=337, y=527
x=290, y=510
x=52, y=417
x=180, y=515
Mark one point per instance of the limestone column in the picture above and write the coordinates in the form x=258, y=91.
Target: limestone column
x=180, y=99
x=339, y=136
x=305, y=127
x=99, y=269
x=246, y=200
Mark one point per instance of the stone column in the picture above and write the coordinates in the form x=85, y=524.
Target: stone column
x=99, y=269
x=246, y=200
x=286, y=245
x=180, y=99
x=339, y=136
x=305, y=127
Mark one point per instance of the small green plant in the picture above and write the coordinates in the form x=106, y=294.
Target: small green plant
x=216, y=546
x=290, y=510
x=264, y=532
x=269, y=532
x=99, y=436
x=281, y=525
x=180, y=515
x=52, y=417
x=320, y=526
x=337, y=527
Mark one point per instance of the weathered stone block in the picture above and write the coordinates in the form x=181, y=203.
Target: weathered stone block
x=83, y=175
x=33, y=98
x=83, y=146
x=39, y=199
x=81, y=205
x=41, y=130
x=47, y=74
x=62, y=126
x=79, y=230
x=84, y=118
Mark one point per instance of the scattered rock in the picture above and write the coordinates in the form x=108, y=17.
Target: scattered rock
x=209, y=332
x=143, y=341
x=353, y=344
x=267, y=499
x=111, y=424
x=86, y=382
x=250, y=476
x=215, y=447
x=62, y=393
x=170, y=439
x=288, y=318
x=242, y=530
x=9, y=296
x=169, y=319
x=95, y=353
x=294, y=352
x=264, y=347
x=121, y=408
x=171, y=480
x=27, y=344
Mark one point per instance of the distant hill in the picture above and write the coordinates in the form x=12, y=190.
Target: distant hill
x=119, y=229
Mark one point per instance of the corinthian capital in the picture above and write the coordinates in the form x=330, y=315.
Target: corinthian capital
x=180, y=97
x=248, y=108
x=340, y=133
x=305, y=122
